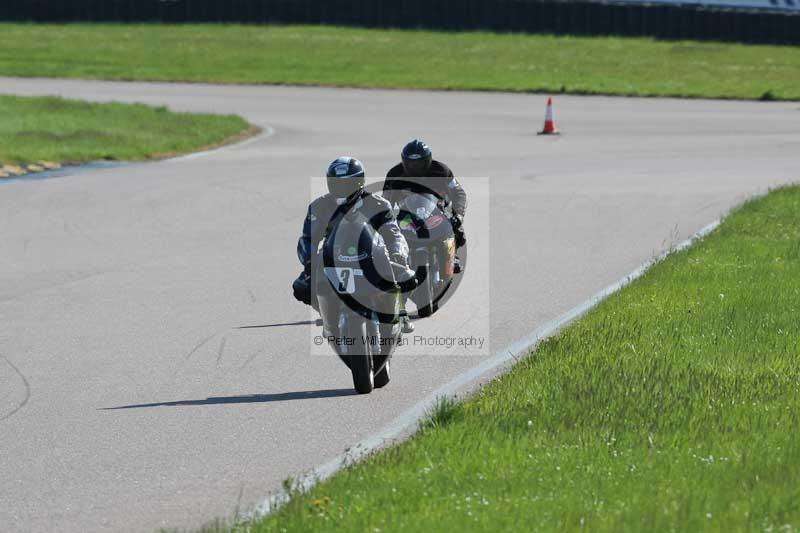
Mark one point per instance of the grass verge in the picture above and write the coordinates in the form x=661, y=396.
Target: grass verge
x=71, y=131
x=325, y=55
x=673, y=405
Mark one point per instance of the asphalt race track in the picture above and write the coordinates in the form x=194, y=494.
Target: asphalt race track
x=124, y=286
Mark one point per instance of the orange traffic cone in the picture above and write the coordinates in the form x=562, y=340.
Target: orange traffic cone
x=549, y=121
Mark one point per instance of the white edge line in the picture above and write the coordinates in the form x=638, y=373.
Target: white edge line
x=266, y=131
x=413, y=415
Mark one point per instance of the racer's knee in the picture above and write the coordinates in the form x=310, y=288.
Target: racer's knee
x=457, y=222
x=461, y=239
x=301, y=287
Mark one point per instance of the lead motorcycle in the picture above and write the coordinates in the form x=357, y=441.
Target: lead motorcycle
x=432, y=249
x=359, y=298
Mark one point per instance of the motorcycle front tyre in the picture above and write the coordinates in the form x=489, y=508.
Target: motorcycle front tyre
x=360, y=354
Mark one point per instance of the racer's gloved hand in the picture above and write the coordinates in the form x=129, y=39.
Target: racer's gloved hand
x=404, y=275
x=408, y=279
x=302, y=288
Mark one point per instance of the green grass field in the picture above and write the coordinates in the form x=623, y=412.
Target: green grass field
x=70, y=131
x=673, y=406
x=324, y=55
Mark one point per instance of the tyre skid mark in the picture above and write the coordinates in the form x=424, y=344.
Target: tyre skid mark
x=199, y=345
x=26, y=385
x=221, y=349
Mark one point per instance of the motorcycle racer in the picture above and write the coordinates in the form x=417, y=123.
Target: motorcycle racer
x=346, y=179
x=417, y=162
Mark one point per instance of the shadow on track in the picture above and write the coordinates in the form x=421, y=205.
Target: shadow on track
x=317, y=322
x=250, y=398
x=280, y=324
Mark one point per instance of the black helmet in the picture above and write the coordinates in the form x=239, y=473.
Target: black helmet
x=417, y=159
x=345, y=177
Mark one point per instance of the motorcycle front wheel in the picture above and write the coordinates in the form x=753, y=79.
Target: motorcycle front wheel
x=360, y=354
x=382, y=377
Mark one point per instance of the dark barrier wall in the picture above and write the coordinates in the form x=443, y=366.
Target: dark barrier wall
x=534, y=16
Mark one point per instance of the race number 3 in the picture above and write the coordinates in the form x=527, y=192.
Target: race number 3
x=345, y=275
x=342, y=278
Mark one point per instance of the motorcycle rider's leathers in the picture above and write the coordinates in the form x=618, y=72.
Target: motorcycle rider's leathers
x=443, y=183
x=322, y=211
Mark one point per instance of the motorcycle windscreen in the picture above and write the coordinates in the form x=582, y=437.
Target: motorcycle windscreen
x=422, y=205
